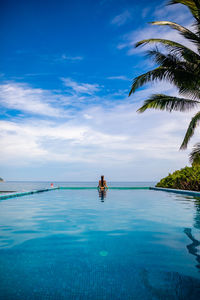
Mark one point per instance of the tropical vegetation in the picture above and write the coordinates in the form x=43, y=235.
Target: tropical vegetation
x=187, y=178
x=179, y=65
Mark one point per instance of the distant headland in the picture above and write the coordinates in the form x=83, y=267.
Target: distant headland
x=1, y=179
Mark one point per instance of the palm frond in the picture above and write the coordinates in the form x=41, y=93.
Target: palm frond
x=183, y=30
x=168, y=103
x=171, y=69
x=194, y=156
x=156, y=74
x=183, y=74
x=190, y=131
x=176, y=48
x=165, y=60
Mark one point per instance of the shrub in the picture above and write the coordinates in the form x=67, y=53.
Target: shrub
x=187, y=178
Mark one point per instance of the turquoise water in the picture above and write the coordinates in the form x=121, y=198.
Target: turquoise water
x=77, y=244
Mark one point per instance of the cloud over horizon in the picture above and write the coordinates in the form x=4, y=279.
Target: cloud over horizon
x=113, y=134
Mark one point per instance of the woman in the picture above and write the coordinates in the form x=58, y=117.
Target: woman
x=102, y=184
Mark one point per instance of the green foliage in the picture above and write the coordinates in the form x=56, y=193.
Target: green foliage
x=187, y=178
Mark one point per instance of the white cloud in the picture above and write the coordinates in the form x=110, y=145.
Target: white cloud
x=81, y=88
x=122, y=77
x=121, y=19
x=115, y=135
x=52, y=57
x=145, y=11
x=72, y=58
x=105, y=137
x=177, y=13
x=23, y=142
x=27, y=99
x=117, y=139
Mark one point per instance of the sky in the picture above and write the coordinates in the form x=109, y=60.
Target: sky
x=66, y=69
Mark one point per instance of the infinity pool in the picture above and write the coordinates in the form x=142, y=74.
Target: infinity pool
x=77, y=244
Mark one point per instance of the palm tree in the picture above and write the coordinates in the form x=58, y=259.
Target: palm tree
x=178, y=64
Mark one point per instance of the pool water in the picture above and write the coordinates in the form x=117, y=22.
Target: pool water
x=77, y=244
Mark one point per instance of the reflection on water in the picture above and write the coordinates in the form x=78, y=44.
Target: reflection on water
x=102, y=194
x=192, y=248
x=197, y=214
x=174, y=286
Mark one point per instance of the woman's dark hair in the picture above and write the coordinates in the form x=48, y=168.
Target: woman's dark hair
x=102, y=180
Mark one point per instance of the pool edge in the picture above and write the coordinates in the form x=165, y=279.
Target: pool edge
x=186, y=192
x=20, y=194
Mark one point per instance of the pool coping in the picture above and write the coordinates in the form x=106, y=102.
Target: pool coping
x=186, y=192
x=20, y=194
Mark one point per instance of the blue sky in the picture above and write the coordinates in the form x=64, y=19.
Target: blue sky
x=66, y=69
